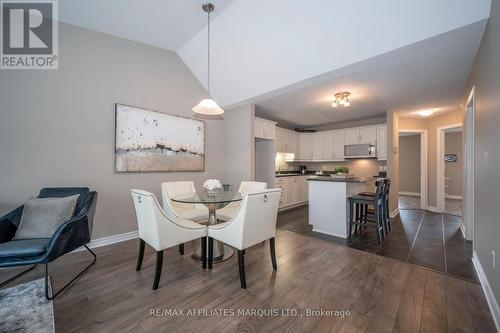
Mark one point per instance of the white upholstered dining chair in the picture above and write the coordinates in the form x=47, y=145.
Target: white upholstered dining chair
x=228, y=212
x=162, y=232
x=193, y=212
x=254, y=222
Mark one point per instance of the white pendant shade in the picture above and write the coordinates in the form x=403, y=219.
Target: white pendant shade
x=209, y=107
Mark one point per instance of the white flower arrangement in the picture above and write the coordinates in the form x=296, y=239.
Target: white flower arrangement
x=212, y=184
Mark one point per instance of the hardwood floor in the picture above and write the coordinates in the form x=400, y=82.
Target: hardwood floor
x=381, y=294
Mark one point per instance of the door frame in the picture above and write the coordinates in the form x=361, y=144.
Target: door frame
x=467, y=224
x=440, y=165
x=424, y=139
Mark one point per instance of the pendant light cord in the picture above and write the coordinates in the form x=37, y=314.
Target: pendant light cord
x=208, y=63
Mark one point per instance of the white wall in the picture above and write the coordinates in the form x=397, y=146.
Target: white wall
x=240, y=148
x=57, y=126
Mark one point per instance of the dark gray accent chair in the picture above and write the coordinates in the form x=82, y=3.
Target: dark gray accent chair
x=69, y=236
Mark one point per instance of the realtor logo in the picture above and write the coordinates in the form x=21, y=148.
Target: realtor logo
x=29, y=35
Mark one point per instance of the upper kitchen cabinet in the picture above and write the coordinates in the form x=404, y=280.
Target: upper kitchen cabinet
x=382, y=142
x=360, y=135
x=338, y=144
x=265, y=129
x=333, y=145
x=318, y=145
x=306, y=146
x=287, y=141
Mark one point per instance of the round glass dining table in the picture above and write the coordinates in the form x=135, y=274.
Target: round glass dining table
x=213, y=202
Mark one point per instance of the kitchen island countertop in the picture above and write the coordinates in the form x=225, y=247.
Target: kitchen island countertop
x=339, y=180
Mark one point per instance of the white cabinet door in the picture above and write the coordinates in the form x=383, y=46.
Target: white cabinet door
x=338, y=145
x=368, y=134
x=292, y=142
x=303, y=189
x=328, y=146
x=318, y=143
x=280, y=183
x=280, y=139
x=382, y=142
x=269, y=131
x=351, y=136
x=306, y=147
x=291, y=190
x=264, y=129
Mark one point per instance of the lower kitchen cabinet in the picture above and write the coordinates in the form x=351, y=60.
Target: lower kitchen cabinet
x=294, y=191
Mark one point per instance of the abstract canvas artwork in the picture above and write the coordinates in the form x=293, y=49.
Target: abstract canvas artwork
x=153, y=141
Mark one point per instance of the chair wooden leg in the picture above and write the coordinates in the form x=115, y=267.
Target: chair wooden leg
x=210, y=252
x=272, y=247
x=181, y=249
x=204, y=252
x=241, y=265
x=159, y=264
x=141, y=255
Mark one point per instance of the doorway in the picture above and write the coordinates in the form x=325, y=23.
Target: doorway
x=450, y=173
x=453, y=171
x=412, y=191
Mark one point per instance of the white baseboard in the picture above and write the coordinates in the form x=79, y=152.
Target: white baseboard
x=453, y=196
x=462, y=229
x=394, y=213
x=411, y=194
x=109, y=240
x=488, y=292
x=327, y=233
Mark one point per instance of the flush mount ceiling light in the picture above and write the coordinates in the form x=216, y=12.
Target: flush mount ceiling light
x=426, y=113
x=341, y=98
x=208, y=106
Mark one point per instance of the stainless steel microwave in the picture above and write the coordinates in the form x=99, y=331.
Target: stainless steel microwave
x=363, y=150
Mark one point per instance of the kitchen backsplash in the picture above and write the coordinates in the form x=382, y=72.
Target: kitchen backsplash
x=358, y=167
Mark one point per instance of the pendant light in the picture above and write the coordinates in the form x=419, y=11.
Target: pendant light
x=208, y=106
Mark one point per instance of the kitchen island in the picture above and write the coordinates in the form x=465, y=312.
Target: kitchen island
x=328, y=205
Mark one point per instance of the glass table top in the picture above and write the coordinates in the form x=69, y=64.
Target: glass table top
x=206, y=198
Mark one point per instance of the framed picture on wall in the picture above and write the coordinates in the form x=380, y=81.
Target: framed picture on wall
x=147, y=141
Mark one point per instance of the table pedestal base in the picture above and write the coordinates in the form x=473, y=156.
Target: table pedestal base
x=222, y=252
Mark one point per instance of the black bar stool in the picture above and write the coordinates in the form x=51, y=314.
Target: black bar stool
x=387, y=216
x=360, y=203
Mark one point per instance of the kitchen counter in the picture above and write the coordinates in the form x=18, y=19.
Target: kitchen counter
x=338, y=180
x=328, y=207
x=279, y=175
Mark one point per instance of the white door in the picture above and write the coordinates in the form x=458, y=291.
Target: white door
x=318, y=143
x=368, y=134
x=351, y=136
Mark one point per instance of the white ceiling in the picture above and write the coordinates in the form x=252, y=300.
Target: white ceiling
x=260, y=46
x=429, y=74
x=163, y=23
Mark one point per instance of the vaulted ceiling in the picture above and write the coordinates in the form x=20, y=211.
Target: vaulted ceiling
x=163, y=23
x=289, y=57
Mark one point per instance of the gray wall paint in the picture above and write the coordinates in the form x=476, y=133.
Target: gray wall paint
x=485, y=77
x=240, y=146
x=57, y=126
x=454, y=170
x=409, y=163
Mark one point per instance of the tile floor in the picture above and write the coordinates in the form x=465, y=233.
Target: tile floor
x=419, y=237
